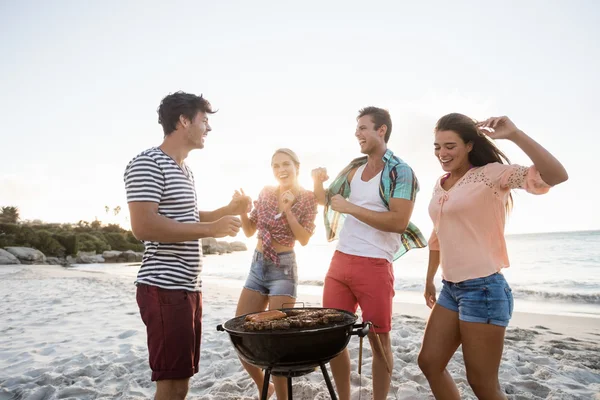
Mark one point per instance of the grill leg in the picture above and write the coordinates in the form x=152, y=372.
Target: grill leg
x=328, y=382
x=289, y=379
x=265, y=391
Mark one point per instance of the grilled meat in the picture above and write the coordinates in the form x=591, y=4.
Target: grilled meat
x=273, y=320
x=266, y=316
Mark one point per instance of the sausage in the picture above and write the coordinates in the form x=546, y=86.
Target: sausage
x=266, y=316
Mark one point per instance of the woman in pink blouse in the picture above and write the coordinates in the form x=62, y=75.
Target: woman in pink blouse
x=282, y=215
x=468, y=209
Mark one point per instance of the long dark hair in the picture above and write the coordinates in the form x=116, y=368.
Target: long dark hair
x=484, y=149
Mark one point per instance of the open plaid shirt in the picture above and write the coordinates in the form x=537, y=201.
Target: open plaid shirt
x=397, y=181
x=273, y=225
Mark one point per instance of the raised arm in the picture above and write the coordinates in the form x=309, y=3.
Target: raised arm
x=239, y=204
x=248, y=223
x=147, y=224
x=308, y=214
x=550, y=169
x=319, y=176
x=144, y=185
x=400, y=208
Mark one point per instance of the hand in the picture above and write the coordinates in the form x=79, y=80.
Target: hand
x=340, y=204
x=319, y=175
x=240, y=203
x=287, y=200
x=430, y=294
x=226, y=226
x=498, y=128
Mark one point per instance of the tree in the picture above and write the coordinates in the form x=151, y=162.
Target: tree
x=9, y=215
x=96, y=224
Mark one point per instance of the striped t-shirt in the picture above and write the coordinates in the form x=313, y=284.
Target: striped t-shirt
x=153, y=176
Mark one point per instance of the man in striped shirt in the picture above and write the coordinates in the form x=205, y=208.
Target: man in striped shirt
x=164, y=214
x=368, y=207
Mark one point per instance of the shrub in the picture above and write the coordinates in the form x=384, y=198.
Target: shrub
x=47, y=244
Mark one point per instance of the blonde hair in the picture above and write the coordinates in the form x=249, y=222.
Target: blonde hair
x=290, y=153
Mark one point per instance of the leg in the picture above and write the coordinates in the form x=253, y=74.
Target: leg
x=482, y=350
x=173, y=325
x=485, y=308
x=172, y=389
x=281, y=383
x=252, y=301
x=382, y=354
x=277, y=302
x=373, y=284
x=337, y=294
x=340, y=368
x=441, y=339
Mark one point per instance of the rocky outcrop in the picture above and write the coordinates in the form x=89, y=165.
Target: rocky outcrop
x=223, y=247
x=56, y=261
x=27, y=255
x=130, y=256
x=7, y=258
x=89, y=259
x=111, y=256
x=209, y=246
x=214, y=246
x=238, y=246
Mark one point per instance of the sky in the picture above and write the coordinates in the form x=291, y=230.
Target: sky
x=80, y=83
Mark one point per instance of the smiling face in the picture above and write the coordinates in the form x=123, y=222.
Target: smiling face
x=285, y=170
x=451, y=151
x=197, y=129
x=369, y=138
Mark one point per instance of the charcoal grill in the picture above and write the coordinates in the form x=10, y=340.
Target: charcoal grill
x=296, y=351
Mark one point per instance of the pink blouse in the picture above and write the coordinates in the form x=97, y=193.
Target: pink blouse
x=469, y=219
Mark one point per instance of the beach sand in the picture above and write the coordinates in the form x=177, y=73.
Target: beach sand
x=70, y=334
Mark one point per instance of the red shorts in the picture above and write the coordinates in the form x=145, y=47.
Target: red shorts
x=173, y=320
x=367, y=282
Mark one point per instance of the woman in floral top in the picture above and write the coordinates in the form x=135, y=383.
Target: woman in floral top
x=282, y=215
x=468, y=209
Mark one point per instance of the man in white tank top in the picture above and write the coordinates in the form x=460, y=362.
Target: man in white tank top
x=373, y=198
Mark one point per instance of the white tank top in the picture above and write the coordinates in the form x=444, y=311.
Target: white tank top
x=360, y=239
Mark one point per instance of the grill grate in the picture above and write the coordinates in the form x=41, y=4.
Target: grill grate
x=236, y=324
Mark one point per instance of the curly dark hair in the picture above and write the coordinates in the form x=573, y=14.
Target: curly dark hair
x=380, y=117
x=180, y=103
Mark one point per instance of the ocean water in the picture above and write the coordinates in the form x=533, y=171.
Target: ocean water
x=552, y=273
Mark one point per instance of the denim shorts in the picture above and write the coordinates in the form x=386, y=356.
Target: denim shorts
x=486, y=300
x=268, y=279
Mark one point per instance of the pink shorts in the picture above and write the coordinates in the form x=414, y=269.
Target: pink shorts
x=367, y=282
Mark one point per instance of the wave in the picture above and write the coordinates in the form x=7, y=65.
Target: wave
x=587, y=298
x=397, y=286
x=311, y=282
